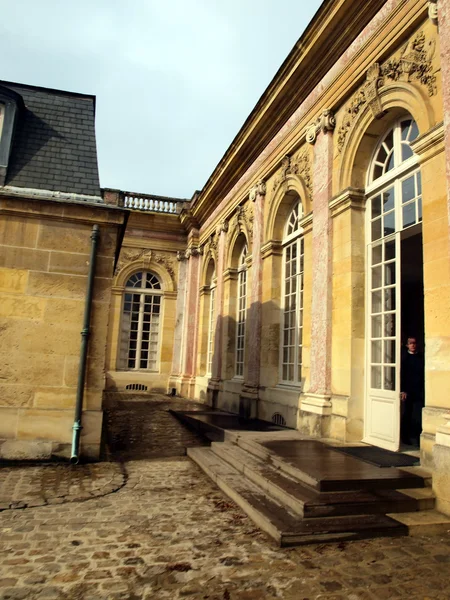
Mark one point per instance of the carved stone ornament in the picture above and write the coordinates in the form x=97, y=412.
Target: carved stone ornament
x=167, y=262
x=210, y=247
x=222, y=226
x=259, y=189
x=181, y=255
x=413, y=65
x=433, y=11
x=193, y=251
x=133, y=255
x=297, y=165
x=243, y=220
x=326, y=122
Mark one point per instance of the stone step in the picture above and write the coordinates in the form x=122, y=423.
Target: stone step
x=282, y=524
x=318, y=466
x=307, y=502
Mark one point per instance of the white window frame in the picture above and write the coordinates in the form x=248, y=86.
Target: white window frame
x=144, y=317
x=241, y=314
x=293, y=236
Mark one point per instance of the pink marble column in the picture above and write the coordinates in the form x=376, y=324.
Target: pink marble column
x=253, y=325
x=218, y=334
x=443, y=7
x=320, y=371
x=191, y=312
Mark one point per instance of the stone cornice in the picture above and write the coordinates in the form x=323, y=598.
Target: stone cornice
x=273, y=247
x=306, y=223
x=230, y=275
x=348, y=199
x=333, y=29
x=429, y=144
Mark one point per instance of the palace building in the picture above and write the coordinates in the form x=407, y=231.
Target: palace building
x=285, y=289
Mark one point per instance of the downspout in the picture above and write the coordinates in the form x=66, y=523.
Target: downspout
x=74, y=457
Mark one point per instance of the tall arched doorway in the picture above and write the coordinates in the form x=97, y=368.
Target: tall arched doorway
x=394, y=283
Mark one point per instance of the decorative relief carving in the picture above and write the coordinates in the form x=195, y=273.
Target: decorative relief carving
x=298, y=165
x=326, y=122
x=413, y=65
x=193, y=251
x=145, y=258
x=222, y=226
x=243, y=221
x=210, y=246
x=433, y=11
x=181, y=255
x=259, y=189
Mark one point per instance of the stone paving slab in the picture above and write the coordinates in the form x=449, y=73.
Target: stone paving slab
x=39, y=485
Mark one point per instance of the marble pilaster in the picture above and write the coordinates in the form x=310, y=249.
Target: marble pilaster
x=191, y=312
x=443, y=7
x=317, y=398
x=218, y=334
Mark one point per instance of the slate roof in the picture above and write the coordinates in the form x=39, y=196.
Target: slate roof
x=54, y=144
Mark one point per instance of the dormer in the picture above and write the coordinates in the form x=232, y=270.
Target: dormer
x=10, y=105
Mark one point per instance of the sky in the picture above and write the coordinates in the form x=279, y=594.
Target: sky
x=174, y=79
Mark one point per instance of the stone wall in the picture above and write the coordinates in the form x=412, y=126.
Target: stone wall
x=44, y=262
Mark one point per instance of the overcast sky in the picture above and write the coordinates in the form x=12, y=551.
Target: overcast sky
x=174, y=79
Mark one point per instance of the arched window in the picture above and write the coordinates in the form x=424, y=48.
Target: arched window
x=139, y=343
x=211, y=322
x=241, y=312
x=292, y=306
x=394, y=203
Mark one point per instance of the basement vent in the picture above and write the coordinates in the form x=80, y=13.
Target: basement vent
x=137, y=387
x=278, y=419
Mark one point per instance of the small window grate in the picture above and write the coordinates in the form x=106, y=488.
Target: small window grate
x=137, y=387
x=278, y=419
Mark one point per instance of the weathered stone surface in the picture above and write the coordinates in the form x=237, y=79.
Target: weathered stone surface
x=30, y=450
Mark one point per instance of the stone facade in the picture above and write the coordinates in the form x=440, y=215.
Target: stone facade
x=297, y=190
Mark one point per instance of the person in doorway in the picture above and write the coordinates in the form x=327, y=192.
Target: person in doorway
x=412, y=395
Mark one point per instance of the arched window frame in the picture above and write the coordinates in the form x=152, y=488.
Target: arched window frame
x=394, y=203
x=241, y=313
x=140, y=331
x=292, y=299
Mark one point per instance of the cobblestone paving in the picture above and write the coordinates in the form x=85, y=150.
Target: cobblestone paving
x=169, y=533
x=38, y=485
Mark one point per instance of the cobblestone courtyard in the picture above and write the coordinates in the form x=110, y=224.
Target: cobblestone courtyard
x=167, y=532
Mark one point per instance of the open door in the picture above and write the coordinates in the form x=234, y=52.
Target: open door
x=382, y=407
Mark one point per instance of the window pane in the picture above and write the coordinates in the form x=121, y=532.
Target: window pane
x=389, y=351
x=376, y=301
x=406, y=152
x=376, y=206
x=376, y=378
x=389, y=299
x=389, y=378
x=376, y=351
x=408, y=189
x=376, y=326
x=376, y=230
x=389, y=250
x=388, y=200
x=409, y=214
x=389, y=223
x=389, y=325
x=389, y=273
x=376, y=277
x=377, y=254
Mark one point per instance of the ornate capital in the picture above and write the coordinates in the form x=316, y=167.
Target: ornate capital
x=326, y=122
x=193, y=251
x=181, y=255
x=433, y=11
x=259, y=189
x=222, y=226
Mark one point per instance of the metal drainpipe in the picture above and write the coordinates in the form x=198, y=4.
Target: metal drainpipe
x=74, y=458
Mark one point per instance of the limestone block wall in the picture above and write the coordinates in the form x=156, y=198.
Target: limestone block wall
x=44, y=261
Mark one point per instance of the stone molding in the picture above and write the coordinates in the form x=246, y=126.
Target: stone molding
x=319, y=404
x=429, y=144
x=350, y=198
x=443, y=432
x=306, y=223
x=144, y=260
x=413, y=65
x=210, y=247
x=259, y=189
x=326, y=122
x=230, y=275
x=271, y=248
